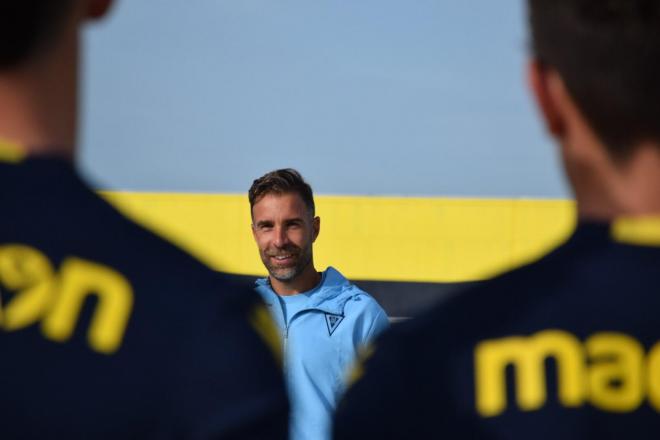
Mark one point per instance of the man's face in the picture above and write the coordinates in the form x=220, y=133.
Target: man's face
x=284, y=231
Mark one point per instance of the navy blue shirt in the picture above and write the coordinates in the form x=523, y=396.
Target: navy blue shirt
x=108, y=331
x=564, y=348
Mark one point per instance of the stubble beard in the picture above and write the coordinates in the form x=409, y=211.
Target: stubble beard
x=286, y=274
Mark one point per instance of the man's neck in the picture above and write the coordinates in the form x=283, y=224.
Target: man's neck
x=630, y=188
x=38, y=100
x=304, y=282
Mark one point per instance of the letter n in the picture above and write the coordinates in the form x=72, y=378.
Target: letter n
x=78, y=280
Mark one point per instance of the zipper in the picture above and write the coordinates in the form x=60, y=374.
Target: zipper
x=284, y=347
x=287, y=324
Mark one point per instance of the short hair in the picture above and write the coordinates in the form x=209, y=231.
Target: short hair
x=27, y=25
x=283, y=181
x=608, y=55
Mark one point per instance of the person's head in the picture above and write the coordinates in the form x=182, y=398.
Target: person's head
x=595, y=73
x=28, y=27
x=39, y=64
x=607, y=53
x=284, y=224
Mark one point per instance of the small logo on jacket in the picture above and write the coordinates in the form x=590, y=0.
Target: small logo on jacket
x=333, y=322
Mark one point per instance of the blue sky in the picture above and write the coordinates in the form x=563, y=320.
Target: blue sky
x=372, y=97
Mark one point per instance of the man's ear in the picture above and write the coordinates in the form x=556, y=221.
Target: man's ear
x=540, y=78
x=98, y=8
x=316, y=225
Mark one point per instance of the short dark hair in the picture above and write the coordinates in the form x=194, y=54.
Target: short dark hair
x=284, y=181
x=608, y=55
x=27, y=25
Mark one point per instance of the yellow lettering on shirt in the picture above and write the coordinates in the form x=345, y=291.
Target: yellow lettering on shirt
x=80, y=279
x=528, y=355
x=29, y=273
x=616, y=374
x=609, y=370
x=653, y=376
x=55, y=298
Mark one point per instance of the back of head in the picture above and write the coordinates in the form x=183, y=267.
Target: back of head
x=26, y=26
x=608, y=54
x=282, y=181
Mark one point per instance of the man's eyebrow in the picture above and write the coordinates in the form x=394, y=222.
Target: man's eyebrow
x=286, y=221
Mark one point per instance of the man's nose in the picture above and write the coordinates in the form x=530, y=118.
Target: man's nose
x=281, y=238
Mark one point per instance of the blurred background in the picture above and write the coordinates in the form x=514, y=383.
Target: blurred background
x=411, y=121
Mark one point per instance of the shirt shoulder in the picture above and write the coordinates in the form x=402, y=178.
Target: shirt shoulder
x=167, y=321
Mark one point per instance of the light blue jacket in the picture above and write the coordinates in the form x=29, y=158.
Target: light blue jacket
x=321, y=342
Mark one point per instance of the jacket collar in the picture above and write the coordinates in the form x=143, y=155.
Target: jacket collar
x=637, y=231
x=326, y=296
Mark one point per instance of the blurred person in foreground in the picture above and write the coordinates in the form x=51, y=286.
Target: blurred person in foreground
x=323, y=319
x=106, y=330
x=566, y=347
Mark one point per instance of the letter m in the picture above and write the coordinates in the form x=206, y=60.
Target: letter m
x=527, y=356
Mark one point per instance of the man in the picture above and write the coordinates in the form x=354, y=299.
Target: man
x=106, y=330
x=566, y=347
x=324, y=318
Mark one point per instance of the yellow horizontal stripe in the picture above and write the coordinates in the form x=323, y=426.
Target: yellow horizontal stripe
x=10, y=151
x=640, y=231
x=368, y=238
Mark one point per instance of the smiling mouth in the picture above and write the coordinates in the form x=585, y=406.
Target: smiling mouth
x=282, y=257
x=283, y=260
